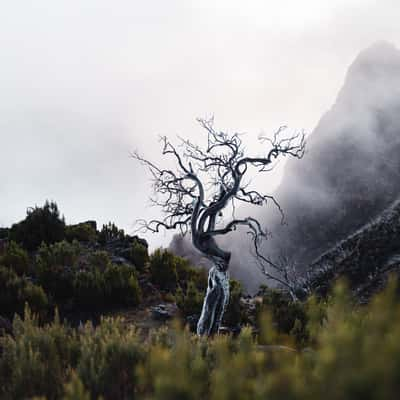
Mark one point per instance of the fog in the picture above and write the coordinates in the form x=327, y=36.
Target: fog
x=349, y=174
x=84, y=83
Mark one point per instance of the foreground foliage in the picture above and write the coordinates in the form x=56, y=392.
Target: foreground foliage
x=354, y=353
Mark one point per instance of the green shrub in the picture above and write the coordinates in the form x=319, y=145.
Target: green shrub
x=89, y=290
x=163, y=269
x=4, y=233
x=189, y=302
x=288, y=317
x=121, y=285
x=138, y=255
x=16, y=258
x=75, y=390
x=109, y=233
x=16, y=291
x=99, y=259
x=62, y=254
x=42, y=224
x=55, y=268
x=35, y=361
x=355, y=354
x=234, y=311
x=35, y=297
x=187, y=273
x=110, y=354
x=83, y=232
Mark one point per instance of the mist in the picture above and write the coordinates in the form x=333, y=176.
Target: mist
x=348, y=176
x=82, y=85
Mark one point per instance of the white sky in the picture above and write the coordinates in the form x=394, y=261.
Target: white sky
x=84, y=82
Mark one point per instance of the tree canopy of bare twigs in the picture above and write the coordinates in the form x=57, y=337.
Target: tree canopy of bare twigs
x=193, y=195
x=205, y=180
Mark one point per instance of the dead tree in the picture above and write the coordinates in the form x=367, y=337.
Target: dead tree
x=205, y=181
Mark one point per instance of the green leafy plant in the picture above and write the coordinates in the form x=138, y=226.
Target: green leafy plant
x=42, y=224
x=15, y=257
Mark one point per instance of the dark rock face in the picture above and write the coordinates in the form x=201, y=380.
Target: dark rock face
x=365, y=258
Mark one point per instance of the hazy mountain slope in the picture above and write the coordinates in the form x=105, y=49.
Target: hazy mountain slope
x=349, y=175
x=351, y=171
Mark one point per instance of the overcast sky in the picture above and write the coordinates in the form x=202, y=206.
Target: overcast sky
x=83, y=82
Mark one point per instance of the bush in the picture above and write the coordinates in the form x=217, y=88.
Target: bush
x=186, y=273
x=55, y=268
x=289, y=317
x=234, y=312
x=138, y=255
x=36, y=360
x=16, y=258
x=4, y=233
x=16, y=291
x=189, y=302
x=100, y=260
x=121, y=285
x=42, y=224
x=163, y=269
x=355, y=355
x=62, y=254
x=89, y=290
x=83, y=232
x=109, y=233
x=107, y=364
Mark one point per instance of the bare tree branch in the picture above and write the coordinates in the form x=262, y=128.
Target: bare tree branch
x=205, y=181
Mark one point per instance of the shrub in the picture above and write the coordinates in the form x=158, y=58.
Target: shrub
x=189, y=302
x=35, y=361
x=288, y=316
x=35, y=297
x=234, y=312
x=16, y=291
x=163, y=269
x=109, y=233
x=89, y=291
x=42, y=224
x=187, y=273
x=138, y=255
x=62, y=254
x=108, y=361
x=55, y=268
x=4, y=233
x=99, y=259
x=16, y=258
x=355, y=355
x=83, y=232
x=121, y=285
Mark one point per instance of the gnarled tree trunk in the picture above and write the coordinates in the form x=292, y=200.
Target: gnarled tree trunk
x=215, y=301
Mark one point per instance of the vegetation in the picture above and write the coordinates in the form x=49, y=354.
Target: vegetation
x=84, y=232
x=110, y=232
x=138, y=255
x=325, y=347
x=16, y=258
x=355, y=354
x=15, y=291
x=42, y=224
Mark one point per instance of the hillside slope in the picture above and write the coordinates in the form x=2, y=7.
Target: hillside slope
x=365, y=258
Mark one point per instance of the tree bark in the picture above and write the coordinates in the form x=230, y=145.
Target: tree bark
x=215, y=301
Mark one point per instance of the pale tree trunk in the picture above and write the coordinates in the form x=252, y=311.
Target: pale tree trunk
x=215, y=301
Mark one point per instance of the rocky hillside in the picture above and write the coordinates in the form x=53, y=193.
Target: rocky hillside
x=365, y=258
